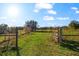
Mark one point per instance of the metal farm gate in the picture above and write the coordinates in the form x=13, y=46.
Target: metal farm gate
x=9, y=41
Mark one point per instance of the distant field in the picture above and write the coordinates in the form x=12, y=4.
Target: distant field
x=70, y=31
x=42, y=44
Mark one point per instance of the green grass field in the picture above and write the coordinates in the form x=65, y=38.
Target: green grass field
x=42, y=44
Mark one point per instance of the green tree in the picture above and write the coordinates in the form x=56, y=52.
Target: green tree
x=74, y=24
x=3, y=28
x=31, y=24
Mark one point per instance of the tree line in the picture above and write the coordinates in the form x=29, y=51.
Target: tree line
x=33, y=26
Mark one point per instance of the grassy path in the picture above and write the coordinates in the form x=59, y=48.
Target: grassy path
x=35, y=44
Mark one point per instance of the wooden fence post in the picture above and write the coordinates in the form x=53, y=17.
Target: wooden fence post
x=56, y=35
x=17, y=49
x=60, y=35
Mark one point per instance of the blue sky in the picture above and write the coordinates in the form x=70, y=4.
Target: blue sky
x=46, y=14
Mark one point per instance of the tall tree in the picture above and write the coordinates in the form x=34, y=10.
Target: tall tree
x=74, y=24
x=3, y=28
x=31, y=24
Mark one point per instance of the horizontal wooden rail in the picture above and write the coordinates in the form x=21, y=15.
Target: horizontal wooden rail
x=69, y=35
x=4, y=41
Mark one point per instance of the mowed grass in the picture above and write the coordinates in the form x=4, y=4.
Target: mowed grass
x=42, y=44
x=36, y=43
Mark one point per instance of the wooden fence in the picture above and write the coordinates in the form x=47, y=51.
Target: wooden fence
x=58, y=34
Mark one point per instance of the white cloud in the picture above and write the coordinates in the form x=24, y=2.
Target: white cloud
x=39, y=6
x=3, y=18
x=8, y=19
x=74, y=8
x=62, y=18
x=77, y=11
x=52, y=12
x=48, y=18
x=43, y=6
x=36, y=10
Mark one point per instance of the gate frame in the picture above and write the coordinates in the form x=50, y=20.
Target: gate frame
x=16, y=35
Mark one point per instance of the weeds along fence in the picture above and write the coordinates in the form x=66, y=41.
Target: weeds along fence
x=9, y=40
x=61, y=34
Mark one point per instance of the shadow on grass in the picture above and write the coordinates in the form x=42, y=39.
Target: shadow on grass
x=17, y=50
x=13, y=49
x=72, y=45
